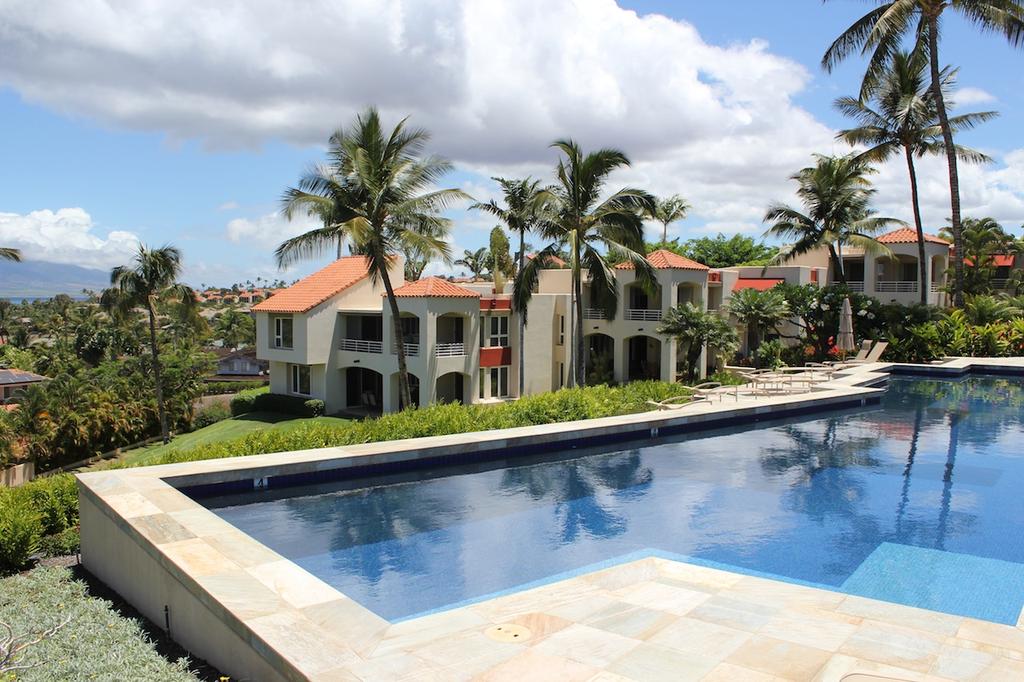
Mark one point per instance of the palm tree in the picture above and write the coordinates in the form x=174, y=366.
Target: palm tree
x=880, y=32
x=760, y=311
x=577, y=217
x=524, y=200
x=377, y=193
x=693, y=329
x=10, y=254
x=904, y=118
x=668, y=211
x=983, y=239
x=151, y=277
x=835, y=193
x=474, y=261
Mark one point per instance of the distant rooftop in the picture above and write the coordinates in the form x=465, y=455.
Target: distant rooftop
x=18, y=376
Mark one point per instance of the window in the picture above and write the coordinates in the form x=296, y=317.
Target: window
x=300, y=379
x=561, y=330
x=483, y=377
x=499, y=381
x=282, y=332
x=561, y=374
x=499, y=331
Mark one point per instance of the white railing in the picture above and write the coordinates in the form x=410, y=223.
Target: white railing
x=855, y=286
x=594, y=314
x=362, y=345
x=999, y=282
x=937, y=287
x=411, y=349
x=642, y=314
x=449, y=350
x=896, y=287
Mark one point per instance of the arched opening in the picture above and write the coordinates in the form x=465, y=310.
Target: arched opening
x=600, y=359
x=691, y=293
x=364, y=390
x=451, y=388
x=451, y=335
x=642, y=304
x=396, y=394
x=643, y=358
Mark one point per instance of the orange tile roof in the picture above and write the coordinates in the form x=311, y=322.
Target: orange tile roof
x=663, y=259
x=311, y=291
x=999, y=260
x=435, y=287
x=907, y=235
x=759, y=283
x=552, y=260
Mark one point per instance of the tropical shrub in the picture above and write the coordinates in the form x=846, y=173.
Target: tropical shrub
x=246, y=400
x=761, y=311
x=694, y=329
x=20, y=531
x=768, y=355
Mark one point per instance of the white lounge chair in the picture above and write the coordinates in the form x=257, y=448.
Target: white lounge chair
x=678, y=402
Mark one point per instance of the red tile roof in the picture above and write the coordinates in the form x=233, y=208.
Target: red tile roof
x=999, y=260
x=663, y=259
x=908, y=236
x=435, y=287
x=311, y=291
x=552, y=260
x=759, y=283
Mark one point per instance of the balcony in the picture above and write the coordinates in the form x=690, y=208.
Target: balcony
x=362, y=345
x=855, y=286
x=643, y=314
x=883, y=287
x=449, y=350
x=411, y=349
x=594, y=314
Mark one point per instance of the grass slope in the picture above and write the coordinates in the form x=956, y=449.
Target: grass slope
x=225, y=430
x=97, y=643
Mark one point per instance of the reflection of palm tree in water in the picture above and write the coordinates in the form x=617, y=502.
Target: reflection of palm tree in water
x=947, y=479
x=574, y=487
x=901, y=510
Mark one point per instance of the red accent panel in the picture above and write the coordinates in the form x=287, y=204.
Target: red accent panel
x=495, y=304
x=495, y=357
x=814, y=275
x=715, y=277
x=756, y=283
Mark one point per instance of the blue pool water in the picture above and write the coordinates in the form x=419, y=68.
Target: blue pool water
x=919, y=501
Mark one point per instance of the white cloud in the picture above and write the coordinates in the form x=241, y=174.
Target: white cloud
x=968, y=96
x=228, y=206
x=267, y=230
x=67, y=235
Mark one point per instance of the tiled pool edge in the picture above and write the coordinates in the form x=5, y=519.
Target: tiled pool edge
x=256, y=615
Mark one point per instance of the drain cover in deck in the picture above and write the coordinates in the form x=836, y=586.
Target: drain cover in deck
x=508, y=632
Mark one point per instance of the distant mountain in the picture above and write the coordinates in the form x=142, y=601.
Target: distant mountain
x=40, y=279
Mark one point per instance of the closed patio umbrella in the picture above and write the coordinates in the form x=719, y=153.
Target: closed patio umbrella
x=845, y=341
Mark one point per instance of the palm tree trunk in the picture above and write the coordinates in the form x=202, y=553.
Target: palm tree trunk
x=396, y=322
x=664, y=232
x=165, y=433
x=579, y=372
x=954, y=180
x=522, y=320
x=922, y=267
x=837, y=265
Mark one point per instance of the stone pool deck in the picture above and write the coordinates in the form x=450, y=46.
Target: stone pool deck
x=258, y=616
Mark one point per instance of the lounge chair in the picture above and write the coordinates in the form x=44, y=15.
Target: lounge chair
x=678, y=402
x=873, y=356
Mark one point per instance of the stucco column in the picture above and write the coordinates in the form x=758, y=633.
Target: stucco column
x=870, y=275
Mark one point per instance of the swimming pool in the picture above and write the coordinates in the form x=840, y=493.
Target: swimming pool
x=919, y=500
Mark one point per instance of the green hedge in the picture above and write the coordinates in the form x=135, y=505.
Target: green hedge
x=246, y=400
x=223, y=387
x=43, y=514
x=252, y=401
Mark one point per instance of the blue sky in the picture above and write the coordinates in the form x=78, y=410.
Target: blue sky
x=190, y=135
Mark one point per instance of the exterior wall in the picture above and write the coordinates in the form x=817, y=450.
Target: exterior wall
x=543, y=353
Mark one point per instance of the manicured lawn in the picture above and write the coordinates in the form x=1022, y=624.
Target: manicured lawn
x=96, y=643
x=224, y=430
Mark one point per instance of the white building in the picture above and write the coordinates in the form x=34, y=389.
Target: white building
x=331, y=335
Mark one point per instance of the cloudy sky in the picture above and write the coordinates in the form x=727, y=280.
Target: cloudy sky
x=183, y=122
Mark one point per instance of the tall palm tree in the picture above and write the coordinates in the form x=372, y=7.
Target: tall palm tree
x=984, y=239
x=902, y=117
x=151, y=277
x=669, y=210
x=577, y=217
x=10, y=254
x=880, y=32
x=474, y=261
x=524, y=200
x=835, y=192
x=377, y=192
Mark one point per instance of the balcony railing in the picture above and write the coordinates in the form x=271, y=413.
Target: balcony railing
x=643, y=314
x=855, y=286
x=594, y=314
x=999, y=282
x=449, y=350
x=411, y=349
x=362, y=345
x=884, y=287
x=937, y=287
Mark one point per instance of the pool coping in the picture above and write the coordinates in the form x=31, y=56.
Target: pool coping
x=302, y=628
